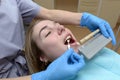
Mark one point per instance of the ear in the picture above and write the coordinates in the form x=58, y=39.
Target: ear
x=43, y=58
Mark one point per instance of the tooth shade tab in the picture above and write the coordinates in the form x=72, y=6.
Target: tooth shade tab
x=68, y=41
x=68, y=38
x=68, y=46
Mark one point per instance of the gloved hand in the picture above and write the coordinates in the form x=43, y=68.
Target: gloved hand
x=93, y=22
x=63, y=68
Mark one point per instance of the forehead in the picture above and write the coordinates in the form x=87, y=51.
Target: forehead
x=41, y=24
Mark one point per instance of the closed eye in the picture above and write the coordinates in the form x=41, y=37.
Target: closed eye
x=48, y=34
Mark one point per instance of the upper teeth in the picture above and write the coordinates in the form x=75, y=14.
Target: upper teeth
x=67, y=38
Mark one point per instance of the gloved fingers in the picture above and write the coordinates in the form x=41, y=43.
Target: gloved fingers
x=80, y=59
x=68, y=53
x=91, y=28
x=76, y=58
x=104, y=30
x=73, y=59
x=110, y=31
x=107, y=31
x=77, y=61
x=80, y=64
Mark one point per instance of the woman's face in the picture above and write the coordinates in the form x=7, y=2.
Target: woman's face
x=51, y=37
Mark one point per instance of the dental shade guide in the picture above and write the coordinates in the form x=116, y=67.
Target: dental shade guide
x=94, y=45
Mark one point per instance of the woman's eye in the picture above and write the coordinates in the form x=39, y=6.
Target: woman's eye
x=48, y=34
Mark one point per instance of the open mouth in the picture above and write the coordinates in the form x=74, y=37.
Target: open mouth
x=70, y=39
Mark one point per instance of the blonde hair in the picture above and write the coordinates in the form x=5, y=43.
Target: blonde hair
x=32, y=52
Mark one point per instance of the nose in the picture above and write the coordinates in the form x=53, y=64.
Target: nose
x=60, y=29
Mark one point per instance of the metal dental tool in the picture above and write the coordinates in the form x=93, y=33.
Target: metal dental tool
x=68, y=46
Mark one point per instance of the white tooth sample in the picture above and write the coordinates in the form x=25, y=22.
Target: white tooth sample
x=68, y=37
x=68, y=46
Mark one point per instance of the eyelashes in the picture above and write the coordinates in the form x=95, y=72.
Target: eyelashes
x=48, y=34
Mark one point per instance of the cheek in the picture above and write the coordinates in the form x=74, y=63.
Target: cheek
x=51, y=42
x=54, y=48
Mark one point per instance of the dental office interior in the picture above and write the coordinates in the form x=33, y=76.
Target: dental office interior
x=106, y=9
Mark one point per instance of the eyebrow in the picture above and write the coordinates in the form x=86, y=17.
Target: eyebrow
x=42, y=29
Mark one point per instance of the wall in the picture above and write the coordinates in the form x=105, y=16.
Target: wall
x=106, y=9
x=46, y=3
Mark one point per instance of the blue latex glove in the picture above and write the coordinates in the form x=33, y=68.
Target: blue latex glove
x=93, y=22
x=63, y=68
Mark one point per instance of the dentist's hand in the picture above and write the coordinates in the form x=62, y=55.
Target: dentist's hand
x=63, y=68
x=93, y=22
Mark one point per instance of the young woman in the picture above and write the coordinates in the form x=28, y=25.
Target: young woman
x=47, y=40
x=15, y=13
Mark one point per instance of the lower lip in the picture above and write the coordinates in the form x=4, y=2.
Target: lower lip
x=75, y=43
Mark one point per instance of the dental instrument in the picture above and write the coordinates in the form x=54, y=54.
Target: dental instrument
x=68, y=45
x=94, y=45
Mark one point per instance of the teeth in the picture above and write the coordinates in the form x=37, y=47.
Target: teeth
x=68, y=38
